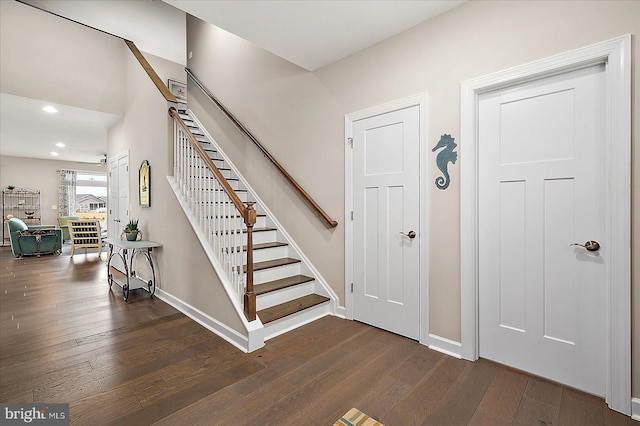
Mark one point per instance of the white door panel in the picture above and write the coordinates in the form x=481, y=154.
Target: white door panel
x=541, y=188
x=118, y=201
x=386, y=204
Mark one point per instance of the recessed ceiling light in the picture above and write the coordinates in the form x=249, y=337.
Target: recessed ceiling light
x=53, y=153
x=60, y=145
x=49, y=109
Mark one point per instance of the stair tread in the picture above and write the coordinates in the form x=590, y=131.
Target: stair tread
x=270, y=286
x=260, y=246
x=284, y=309
x=259, y=266
x=268, y=245
x=266, y=228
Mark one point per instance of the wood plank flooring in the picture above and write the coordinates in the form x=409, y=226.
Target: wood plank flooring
x=65, y=337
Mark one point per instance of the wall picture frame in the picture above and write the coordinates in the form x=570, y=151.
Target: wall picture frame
x=179, y=90
x=144, y=184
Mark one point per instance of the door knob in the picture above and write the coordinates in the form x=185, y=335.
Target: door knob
x=589, y=245
x=411, y=234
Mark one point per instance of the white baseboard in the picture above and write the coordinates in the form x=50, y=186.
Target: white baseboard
x=446, y=346
x=635, y=409
x=230, y=335
x=341, y=312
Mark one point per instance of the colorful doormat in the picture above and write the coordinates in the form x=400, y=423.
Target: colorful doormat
x=355, y=417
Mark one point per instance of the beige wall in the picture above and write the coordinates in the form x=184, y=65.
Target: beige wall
x=182, y=267
x=299, y=116
x=40, y=175
x=87, y=64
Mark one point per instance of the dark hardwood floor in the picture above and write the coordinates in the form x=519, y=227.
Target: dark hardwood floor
x=65, y=337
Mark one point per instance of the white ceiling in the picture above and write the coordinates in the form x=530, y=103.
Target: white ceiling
x=28, y=131
x=310, y=34
x=313, y=34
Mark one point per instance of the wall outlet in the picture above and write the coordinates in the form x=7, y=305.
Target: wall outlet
x=54, y=207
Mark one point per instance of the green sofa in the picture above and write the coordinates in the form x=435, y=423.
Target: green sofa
x=63, y=223
x=33, y=240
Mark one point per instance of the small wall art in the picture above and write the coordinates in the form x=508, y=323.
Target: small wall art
x=179, y=90
x=444, y=157
x=144, y=183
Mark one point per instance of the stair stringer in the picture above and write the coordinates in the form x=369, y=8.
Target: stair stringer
x=255, y=329
x=322, y=287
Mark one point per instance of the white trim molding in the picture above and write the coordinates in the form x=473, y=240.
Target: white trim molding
x=635, y=409
x=445, y=346
x=421, y=100
x=232, y=336
x=615, y=54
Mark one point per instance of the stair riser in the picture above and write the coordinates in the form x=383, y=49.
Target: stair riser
x=235, y=222
x=234, y=184
x=211, y=152
x=219, y=163
x=272, y=274
x=268, y=254
x=263, y=255
x=261, y=237
x=228, y=174
x=204, y=197
x=273, y=298
x=290, y=322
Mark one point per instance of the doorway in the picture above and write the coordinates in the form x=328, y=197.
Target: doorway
x=612, y=260
x=387, y=238
x=118, y=208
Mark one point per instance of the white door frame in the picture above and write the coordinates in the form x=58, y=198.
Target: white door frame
x=615, y=54
x=117, y=157
x=421, y=101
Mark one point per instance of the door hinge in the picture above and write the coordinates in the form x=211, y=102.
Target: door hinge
x=351, y=287
x=351, y=214
x=350, y=142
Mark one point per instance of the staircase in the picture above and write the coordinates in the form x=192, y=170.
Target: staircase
x=289, y=291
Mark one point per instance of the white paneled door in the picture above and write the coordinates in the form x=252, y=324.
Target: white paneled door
x=542, y=188
x=118, y=207
x=386, y=200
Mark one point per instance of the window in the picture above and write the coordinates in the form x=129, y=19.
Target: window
x=91, y=196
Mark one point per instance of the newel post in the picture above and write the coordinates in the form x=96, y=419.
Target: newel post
x=250, y=218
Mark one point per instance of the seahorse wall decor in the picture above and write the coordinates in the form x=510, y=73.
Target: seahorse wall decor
x=445, y=156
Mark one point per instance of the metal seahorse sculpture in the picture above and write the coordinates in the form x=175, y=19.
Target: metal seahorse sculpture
x=444, y=157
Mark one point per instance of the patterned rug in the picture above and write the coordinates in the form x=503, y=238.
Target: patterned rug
x=355, y=417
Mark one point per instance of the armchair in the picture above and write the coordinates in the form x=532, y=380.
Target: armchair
x=25, y=242
x=63, y=223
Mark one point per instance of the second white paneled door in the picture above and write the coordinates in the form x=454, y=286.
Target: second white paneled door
x=541, y=188
x=386, y=221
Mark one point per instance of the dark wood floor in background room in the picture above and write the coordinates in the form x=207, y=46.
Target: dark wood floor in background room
x=65, y=337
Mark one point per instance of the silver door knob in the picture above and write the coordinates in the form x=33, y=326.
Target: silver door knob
x=411, y=234
x=589, y=245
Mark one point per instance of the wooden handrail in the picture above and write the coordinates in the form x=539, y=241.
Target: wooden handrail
x=305, y=196
x=247, y=212
x=151, y=72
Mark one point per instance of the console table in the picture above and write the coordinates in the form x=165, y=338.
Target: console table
x=127, y=251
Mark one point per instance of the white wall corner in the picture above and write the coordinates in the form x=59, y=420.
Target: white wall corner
x=635, y=409
x=446, y=346
x=241, y=342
